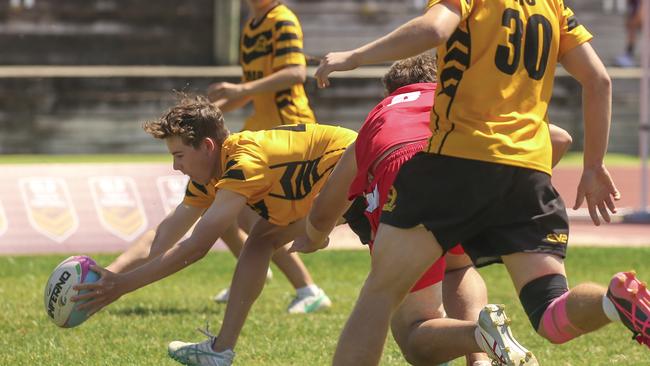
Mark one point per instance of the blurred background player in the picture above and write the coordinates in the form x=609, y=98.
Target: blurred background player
x=273, y=73
x=229, y=173
x=492, y=144
x=633, y=24
x=395, y=131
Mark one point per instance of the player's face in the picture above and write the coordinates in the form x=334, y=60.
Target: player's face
x=199, y=164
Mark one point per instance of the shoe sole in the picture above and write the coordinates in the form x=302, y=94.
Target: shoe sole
x=514, y=354
x=632, y=301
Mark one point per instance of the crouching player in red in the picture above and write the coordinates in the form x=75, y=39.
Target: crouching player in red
x=395, y=130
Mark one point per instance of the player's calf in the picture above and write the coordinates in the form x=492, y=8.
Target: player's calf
x=545, y=301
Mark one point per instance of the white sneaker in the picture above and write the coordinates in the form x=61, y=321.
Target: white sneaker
x=494, y=337
x=222, y=296
x=310, y=303
x=199, y=354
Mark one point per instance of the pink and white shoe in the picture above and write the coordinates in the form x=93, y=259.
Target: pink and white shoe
x=632, y=300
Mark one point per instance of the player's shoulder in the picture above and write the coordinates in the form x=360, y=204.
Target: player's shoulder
x=281, y=15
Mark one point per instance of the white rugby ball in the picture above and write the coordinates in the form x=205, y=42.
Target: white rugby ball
x=59, y=290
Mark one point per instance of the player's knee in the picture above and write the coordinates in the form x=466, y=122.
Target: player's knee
x=418, y=350
x=544, y=300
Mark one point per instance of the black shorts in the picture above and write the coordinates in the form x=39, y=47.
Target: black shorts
x=356, y=219
x=491, y=209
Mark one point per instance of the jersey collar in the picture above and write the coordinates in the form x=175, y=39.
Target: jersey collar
x=414, y=87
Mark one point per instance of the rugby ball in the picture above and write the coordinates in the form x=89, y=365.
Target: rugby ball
x=59, y=290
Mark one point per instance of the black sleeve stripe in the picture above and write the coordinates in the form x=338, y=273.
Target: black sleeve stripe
x=283, y=103
x=236, y=174
x=286, y=50
x=284, y=23
x=287, y=37
x=572, y=23
x=188, y=193
x=200, y=187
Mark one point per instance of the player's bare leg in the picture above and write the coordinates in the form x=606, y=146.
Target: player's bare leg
x=250, y=275
x=581, y=306
x=464, y=294
x=400, y=257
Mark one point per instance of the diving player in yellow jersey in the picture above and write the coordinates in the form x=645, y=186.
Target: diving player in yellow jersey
x=276, y=172
x=484, y=180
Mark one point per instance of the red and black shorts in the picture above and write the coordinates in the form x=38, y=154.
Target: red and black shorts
x=384, y=175
x=493, y=209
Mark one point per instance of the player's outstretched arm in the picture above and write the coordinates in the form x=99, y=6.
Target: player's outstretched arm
x=228, y=105
x=111, y=286
x=282, y=79
x=596, y=185
x=330, y=204
x=414, y=37
x=170, y=230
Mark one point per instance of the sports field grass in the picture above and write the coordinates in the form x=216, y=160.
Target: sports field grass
x=136, y=329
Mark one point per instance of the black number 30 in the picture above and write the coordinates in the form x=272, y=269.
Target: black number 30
x=534, y=60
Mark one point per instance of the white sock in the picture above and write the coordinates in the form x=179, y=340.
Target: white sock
x=610, y=310
x=309, y=290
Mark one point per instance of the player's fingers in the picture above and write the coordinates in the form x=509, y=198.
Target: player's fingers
x=88, y=286
x=89, y=305
x=609, y=201
x=592, y=212
x=603, y=212
x=580, y=197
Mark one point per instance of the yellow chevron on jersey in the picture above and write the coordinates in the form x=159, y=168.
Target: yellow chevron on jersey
x=495, y=76
x=268, y=45
x=279, y=171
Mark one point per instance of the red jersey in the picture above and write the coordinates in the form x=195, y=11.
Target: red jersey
x=401, y=117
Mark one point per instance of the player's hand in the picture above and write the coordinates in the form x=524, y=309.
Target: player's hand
x=224, y=90
x=304, y=244
x=105, y=291
x=334, y=61
x=598, y=189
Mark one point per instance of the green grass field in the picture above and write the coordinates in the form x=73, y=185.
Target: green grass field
x=136, y=329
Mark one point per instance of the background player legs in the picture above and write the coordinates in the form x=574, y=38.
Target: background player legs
x=400, y=257
x=584, y=304
x=464, y=293
x=250, y=275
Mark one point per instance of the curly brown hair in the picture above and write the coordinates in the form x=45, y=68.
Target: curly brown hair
x=192, y=119
x=416, y=69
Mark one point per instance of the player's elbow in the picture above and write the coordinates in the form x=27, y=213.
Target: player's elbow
x=298, y=74
x=598, y=82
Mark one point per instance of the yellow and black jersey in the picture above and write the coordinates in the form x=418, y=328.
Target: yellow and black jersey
x=495, y=76
x=268, y=45
x=280, y=171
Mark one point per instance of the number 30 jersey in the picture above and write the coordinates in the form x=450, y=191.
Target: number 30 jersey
x=495, y=79
x=280, y=171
